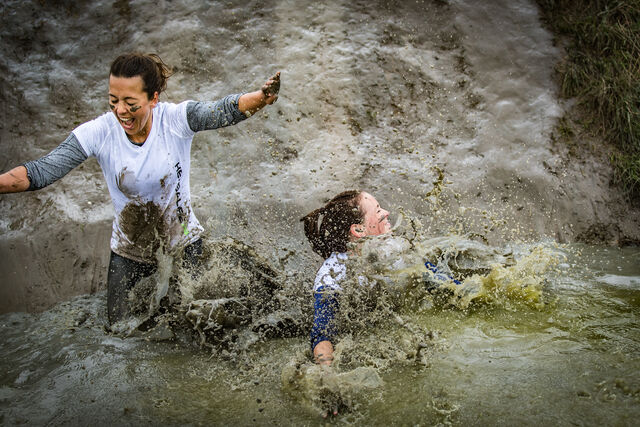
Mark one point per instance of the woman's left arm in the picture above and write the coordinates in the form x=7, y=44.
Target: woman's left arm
x=252, y=102
x=231, y=109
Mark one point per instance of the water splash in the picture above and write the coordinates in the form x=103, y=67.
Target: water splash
x=321, y=387
x=522, y=282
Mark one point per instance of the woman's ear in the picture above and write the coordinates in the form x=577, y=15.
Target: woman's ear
x=154, y=100
x=357, y=230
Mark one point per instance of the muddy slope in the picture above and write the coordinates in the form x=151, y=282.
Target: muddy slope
x=422, y=103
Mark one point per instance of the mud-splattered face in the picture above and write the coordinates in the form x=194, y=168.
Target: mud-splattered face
x=131, y=105
x=376, y=219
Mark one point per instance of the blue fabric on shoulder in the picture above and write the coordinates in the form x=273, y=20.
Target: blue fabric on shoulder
x=440, y=276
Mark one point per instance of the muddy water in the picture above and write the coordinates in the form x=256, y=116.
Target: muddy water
x=572, y=360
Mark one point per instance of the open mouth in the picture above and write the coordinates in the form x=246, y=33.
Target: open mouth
x=126, y=123
x=384, y=223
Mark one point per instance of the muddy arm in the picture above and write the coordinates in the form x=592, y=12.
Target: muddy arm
x=14, y=181
x=251, y=102
x=216, y=114
x=231, y=109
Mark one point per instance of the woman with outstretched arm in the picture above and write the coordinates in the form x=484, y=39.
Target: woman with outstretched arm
x=143, y=147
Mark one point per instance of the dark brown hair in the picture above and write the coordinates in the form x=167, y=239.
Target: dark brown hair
x=153, y=71
x=328, y=228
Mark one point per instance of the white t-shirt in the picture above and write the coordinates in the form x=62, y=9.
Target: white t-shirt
x=149, y=184
x=332, y=271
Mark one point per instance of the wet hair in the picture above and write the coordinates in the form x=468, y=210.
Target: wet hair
x=328, y=228
x=153, y=71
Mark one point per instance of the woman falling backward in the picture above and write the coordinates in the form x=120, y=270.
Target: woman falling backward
x=143, y=148
x=345, y=219
x=349, y=216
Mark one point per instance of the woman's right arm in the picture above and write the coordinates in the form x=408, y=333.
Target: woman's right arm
x=324, y=329
x=14, y=181
x=39, y=173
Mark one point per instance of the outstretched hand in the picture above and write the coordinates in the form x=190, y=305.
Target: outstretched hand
x=252, y=102
x=331, y=408
x=271, y=88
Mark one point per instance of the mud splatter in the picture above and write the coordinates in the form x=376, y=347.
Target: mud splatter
x=126, y=182
x=145, y=227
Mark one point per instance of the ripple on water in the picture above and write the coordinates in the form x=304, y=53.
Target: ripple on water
x=629, y=282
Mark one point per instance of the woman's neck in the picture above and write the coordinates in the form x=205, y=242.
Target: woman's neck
x=142, y=136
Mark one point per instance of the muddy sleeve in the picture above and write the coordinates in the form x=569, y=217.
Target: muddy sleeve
x=212, y=115
x=324, y=313
x=56, y=164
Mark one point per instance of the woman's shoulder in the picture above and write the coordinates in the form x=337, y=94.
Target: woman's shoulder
x=93, y=133
x=173, y=115
x=172, y=107
x=332, y=271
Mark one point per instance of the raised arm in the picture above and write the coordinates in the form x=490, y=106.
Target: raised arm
x=251, y=102
x=210, y=115
x=231, y=109
x=46, y=170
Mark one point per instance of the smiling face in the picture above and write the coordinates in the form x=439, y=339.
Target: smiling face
x=376, y=219
x=132, y=106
